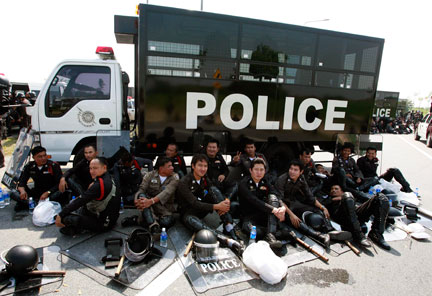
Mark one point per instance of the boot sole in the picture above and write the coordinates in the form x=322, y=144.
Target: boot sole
x=340, y=235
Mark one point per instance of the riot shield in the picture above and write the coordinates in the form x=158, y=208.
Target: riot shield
x=19, y=158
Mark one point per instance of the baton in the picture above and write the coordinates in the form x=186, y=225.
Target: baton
x=354, y=249
x=309, y=248
x=119, y=267
x=189, y=246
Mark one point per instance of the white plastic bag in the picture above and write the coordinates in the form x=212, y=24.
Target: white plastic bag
x=43, y=214
x=389, y=186
x=261, y=259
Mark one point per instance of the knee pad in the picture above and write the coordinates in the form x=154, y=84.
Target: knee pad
x=167, y=221
x=273, y=200
x=72, y=220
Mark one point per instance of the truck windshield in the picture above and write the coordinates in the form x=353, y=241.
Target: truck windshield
x=73, y=84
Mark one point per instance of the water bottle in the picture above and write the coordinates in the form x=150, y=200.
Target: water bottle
x=416, y=192
x=121, y=205
x=378, y=190
x=72, y=199
x=6, y=197
x=252, y=238
x=2, y=201
x=371, y=193
x=31, y=205
x=164, y=238
x=391, y=202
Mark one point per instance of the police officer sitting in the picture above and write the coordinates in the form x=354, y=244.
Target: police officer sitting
x=218, y=169
x=46, y=175
x=127, y=175
x=344, y=211
x=310, y=172
x=260, y=205
x=244, y=160
x=155, y=198
x=197, y=197
x=368, y=164
x=97, y=208
x=298, y=199
x=347, y=174
x=78, y=178
x=177, y=160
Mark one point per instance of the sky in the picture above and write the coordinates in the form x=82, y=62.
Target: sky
x=37, y=35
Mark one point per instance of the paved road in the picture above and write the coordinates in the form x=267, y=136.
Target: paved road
x=404, y=270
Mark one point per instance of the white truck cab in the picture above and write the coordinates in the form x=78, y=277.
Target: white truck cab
x=80, y=98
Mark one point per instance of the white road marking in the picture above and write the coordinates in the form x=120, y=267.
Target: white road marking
x=164, y=280
x=415, y=147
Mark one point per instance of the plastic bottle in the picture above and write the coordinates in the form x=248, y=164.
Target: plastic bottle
x=121, y=205
x=391, y=202
x=371, y=193
x=31, y=205
x=2, y=201
x=416, y=192
x=252, y=238
x=164, y=238
x=378, y=190
x=6, y=197
x=72, y=199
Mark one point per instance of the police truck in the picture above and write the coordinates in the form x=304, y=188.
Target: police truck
x=201, y=75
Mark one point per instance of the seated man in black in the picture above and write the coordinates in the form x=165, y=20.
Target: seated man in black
x=178, y=161
x=297, y=199
x=347, y=174
x=310, y=172
x=197, y=197
x=218, y=170
x=78, y=178
x=97, y=208
x=259, y=205
x=244, y=160
x=344, y=211
x=46, y=176
x=368, y=164
x=127, y=175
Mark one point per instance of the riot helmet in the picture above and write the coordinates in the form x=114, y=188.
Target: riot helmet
x=21, y=259
x=138, y=245
x=206, y=246
x=314, y=220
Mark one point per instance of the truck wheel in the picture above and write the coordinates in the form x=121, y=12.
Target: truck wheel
x=429, y=140
x=416, y=136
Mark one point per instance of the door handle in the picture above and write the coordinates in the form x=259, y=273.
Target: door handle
x=104, y=121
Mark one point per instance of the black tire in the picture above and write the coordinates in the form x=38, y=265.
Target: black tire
x=416, y=136
x=429, y=140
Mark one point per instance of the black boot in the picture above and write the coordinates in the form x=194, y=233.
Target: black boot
x=381, y=209
x=378, y=239
x=273, y=242
x=361, y=239
x=320, y=237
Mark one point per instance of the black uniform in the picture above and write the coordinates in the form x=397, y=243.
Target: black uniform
x=196, y=200
x=369, y=168
x=350, y=217
x=128, y=179
x=179, y=165
x=309, y=173
x=78, y=178
x=98, y=207
x=216, y=167
x=340, y=169
x=257, y=202
x=46, y=178
x=296, y=195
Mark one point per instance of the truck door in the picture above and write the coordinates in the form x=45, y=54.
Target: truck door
x=79, y=101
